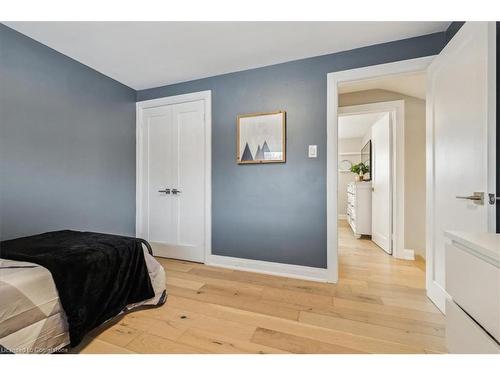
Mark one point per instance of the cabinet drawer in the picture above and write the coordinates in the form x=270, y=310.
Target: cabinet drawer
x=351, y=211
x=464, y=336
x=474, y=285
x=351, y=198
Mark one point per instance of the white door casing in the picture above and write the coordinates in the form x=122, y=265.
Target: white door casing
x=460, y=154
x=334, y=80
x=382, y=183
x=174, y=152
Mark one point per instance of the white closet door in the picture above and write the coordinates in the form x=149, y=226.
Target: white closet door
x=174, y=173
x=381, y=184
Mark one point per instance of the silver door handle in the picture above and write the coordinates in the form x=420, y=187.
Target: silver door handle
x=175, y=191
x=166, y=191
x=477, y=197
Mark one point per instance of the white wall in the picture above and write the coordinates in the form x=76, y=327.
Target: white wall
x=346, y=147
x=366, y=137
x=414, y=160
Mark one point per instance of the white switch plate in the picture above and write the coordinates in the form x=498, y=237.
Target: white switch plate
x=313, y=151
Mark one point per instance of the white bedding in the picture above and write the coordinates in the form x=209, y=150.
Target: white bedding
x=32, y=319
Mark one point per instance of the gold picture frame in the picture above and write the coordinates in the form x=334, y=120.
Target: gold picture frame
x=261, y=138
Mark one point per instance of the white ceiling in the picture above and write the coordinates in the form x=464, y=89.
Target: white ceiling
x=150, y=54
x=409, y=84
x=356, y=126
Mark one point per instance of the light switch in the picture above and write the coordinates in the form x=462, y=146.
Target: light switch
x=313, y=151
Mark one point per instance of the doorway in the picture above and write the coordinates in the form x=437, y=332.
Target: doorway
x=354, y=84
x=174, y=175
x=371, y=141
x=387, y=115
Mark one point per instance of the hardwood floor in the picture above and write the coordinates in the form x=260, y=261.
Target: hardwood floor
x=378, y=306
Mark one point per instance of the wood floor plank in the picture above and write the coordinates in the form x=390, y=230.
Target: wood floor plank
x=119, y=333
x=360, y=297
x=410, y=303
x=184, y=283
x=91, y=345
x=384, y=320
x=297, y=344
x=147, y=343
x=159, y=327
x=220, y=282
x=244, y=303
x=298, y=298
x=433, y=317
x=422, y=341
x=175, y=265
x=182, y=319
x=220, y=343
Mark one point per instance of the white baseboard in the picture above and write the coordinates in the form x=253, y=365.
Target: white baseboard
x=407, y=254
x=437, y=295
x=270, y=268
x=342, y=217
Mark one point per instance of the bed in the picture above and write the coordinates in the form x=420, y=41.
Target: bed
x=32, y=317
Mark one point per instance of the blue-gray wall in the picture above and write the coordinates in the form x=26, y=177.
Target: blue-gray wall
x=453, y=29
x=67, y=143
x=277, y=212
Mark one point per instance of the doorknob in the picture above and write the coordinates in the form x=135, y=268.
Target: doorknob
x=166, y=191
x=175, y=191
x=477, y=197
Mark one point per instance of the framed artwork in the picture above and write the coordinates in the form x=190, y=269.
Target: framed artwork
x=261, y=138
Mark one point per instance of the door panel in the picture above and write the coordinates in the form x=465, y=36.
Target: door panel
x=158, y=131
x=459, y=111
x=381, y=184
x=188, y=126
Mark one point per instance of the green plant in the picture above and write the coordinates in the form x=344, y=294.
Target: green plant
x=361, y=167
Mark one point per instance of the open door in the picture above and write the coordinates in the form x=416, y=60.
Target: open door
x=460, y=144
x=382, y=184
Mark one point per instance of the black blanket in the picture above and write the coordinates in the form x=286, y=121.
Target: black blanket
x=96, y=274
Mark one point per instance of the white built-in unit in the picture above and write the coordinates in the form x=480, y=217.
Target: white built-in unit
x=473, y=284
x=359, y=207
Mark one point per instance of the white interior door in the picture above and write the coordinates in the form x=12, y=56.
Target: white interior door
x=173, y=167
x=460, y=122
x=381, y=184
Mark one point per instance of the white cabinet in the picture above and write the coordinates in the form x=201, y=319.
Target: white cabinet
x=464, y=335
x=473, y=283
x=359, y=207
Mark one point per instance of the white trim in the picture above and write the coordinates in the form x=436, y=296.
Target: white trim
x=437, y=295
x=407, y=254
x=492, y=123
x=349, y=153
x=334, y=80
x=396, y=108
x=206, y=96
x=269, y=268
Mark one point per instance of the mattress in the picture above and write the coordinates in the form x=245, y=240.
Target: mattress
x=32, y=319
